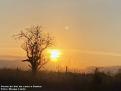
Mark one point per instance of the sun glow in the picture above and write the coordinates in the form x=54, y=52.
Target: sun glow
x=54, y=54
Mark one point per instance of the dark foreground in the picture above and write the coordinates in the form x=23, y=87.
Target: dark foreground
x=57, y=81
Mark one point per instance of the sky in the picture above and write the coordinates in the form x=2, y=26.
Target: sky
x=87, y=31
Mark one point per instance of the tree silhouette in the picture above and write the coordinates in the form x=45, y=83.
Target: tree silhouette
x=35, y=42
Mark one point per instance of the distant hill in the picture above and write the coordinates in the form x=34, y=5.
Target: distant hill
x=13, y=64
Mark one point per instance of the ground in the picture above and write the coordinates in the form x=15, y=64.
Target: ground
x=60, y=81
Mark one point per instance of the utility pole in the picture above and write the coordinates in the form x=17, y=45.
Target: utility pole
x=66, y=69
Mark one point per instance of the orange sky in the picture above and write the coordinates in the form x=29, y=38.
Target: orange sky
x=87, y=31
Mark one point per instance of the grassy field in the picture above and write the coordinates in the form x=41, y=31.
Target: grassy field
x=60, y=81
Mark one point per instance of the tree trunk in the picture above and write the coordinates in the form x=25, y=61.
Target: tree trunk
x=34, y=69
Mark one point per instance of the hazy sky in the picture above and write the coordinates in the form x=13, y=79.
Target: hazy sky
x=88, y=31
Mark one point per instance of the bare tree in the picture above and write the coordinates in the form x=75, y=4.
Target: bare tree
x=35, y=42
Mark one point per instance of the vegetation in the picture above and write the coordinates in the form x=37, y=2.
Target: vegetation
x=35, y=42
x=60, y=81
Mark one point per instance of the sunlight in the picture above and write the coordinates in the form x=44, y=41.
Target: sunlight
x=54, y=54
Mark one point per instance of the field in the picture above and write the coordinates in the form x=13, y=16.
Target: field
x=61, y=81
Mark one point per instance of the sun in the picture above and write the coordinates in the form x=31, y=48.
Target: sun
x=54, y=54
